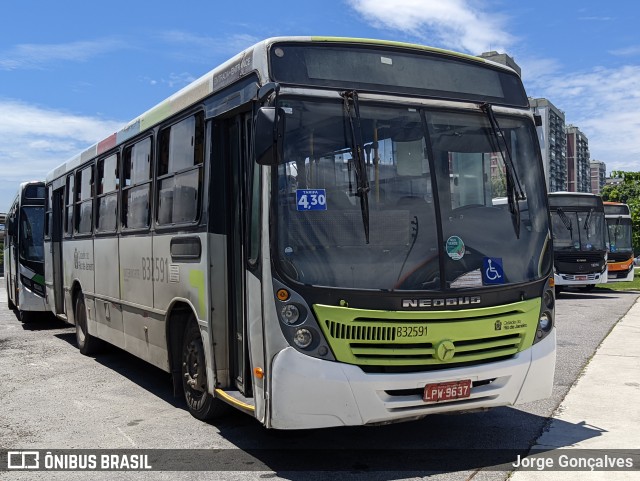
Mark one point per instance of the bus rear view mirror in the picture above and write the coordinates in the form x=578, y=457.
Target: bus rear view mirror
x=269, y=129
x=9, y=227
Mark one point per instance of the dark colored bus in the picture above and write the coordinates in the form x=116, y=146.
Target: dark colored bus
x=24, y=252
x=579, y=239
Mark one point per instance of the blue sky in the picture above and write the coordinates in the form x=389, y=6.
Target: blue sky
x=73, y=72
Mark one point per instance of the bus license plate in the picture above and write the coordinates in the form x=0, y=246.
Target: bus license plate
x=581, y=278
x=447, y=391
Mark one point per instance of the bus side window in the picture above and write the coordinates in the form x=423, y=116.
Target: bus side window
x=180, y=171
x=84, y=200
x=136, y=185
x=107, y=185
x=69, y=201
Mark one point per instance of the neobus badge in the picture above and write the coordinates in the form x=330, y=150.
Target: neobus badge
x=441, y=302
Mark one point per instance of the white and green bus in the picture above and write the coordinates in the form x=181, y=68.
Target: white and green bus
x=311, y=233
x=24, y=252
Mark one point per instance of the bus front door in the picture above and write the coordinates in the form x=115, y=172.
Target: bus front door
x=236, y=157
x=56, y=250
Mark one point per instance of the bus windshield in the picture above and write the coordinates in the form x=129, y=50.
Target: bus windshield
x=620, y=239
x=32, y=234
x=441, y=214
x=578, y=230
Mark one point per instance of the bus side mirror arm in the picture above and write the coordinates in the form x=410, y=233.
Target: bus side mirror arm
x=269, y=134
x=266, y=90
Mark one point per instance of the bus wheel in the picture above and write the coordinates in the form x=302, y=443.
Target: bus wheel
x=86, y=342
x=201, y=403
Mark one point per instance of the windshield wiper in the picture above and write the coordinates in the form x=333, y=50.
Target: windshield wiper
x=617, y=229
x=565, y=220
x=515, y=193
x=362, y=189
x=414, y=234
x=587, y=222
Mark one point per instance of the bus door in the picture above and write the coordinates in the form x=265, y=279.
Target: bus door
x=236, y=157
x=12, y=261
x=56, y=249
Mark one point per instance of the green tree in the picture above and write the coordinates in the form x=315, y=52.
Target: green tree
x=627, y=192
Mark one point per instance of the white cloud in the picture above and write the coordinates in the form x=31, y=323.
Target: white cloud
x=605, y=104
x=35, y=56
x=535, y=68
x=630, y=51
x=454, y=24
x=34, y=140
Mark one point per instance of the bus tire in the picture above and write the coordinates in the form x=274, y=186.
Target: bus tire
x=201, y=404
x=86, y=342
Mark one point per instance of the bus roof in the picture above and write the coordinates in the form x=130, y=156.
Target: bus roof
x=575, y=199
x=250, y=60
x=616, y=209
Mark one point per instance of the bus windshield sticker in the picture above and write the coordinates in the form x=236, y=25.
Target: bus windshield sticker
x=492, y=271
x=455, y=248
x=311, y=199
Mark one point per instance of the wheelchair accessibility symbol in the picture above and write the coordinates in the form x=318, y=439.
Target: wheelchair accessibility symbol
x=492, y=272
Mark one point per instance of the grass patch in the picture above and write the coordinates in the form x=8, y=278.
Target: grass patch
x=634, y=285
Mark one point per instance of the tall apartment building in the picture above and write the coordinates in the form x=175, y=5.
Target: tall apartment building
x=578, y=168
x=553, y=143
x=598, y=175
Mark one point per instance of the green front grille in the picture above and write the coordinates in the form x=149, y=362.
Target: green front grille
x=428, y=338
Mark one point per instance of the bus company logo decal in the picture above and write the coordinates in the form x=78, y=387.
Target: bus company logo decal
x=445, y=350
x=498, y=325
x=441, y=302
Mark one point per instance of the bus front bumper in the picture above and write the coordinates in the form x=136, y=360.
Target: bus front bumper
x=580, y=279
x=312, y=393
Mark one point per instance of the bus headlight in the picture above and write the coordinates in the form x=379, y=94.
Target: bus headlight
x=290, y=314
x=547, y=312
x=303, y=337
x=27, y=282
x=545, y=323
x=549, y=299
x=298, y=324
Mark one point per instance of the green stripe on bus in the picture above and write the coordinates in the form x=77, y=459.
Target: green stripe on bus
x=418, y=338
x=196, y=279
